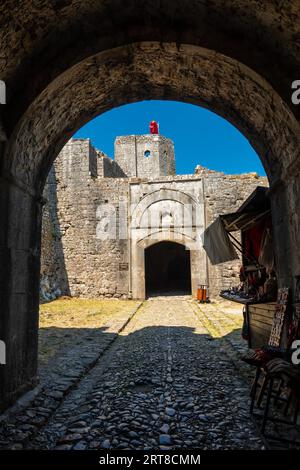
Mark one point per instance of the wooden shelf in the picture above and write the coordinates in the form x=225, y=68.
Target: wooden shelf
x=239, y=300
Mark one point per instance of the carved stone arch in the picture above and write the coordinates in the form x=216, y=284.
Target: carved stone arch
x=167, y=235
x=163, y=194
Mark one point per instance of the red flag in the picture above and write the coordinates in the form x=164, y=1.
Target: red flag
x=153, y=127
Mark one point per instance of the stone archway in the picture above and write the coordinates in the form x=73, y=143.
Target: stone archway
x=187, y=223
x=73, y=70
x=197, y=261
x=189, y=74
x=151, y=71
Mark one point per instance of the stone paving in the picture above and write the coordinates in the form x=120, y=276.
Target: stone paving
x=165, y=382
x=66, y=356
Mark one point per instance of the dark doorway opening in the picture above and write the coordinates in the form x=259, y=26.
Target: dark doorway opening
x=167, y=269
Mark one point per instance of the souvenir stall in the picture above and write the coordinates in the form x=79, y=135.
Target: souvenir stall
x=271, y=322
x=247, y=234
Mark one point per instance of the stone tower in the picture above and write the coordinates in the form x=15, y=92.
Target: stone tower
x=145, y=156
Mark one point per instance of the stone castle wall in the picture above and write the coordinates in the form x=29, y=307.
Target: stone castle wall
x=91, y=266
x=108, y=168
x=81, y=186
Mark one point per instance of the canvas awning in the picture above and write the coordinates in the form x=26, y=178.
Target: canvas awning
x=217, y=244
x=217, y=240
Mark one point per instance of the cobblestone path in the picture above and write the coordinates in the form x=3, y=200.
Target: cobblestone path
x=165, y=382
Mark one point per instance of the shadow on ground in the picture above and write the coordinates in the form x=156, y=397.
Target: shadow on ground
x=126, y=387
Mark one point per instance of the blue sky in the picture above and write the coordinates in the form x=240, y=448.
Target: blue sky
x=200, y=136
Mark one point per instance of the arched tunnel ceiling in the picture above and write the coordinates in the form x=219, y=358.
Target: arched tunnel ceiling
x=39, y=39
x=152, y=71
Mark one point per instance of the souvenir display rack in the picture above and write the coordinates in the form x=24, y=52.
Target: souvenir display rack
x=257, y=289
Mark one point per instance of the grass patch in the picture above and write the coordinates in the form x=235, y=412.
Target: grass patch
x=79, y=313
x=67, y=322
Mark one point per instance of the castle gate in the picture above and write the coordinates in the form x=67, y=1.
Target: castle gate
x=175, y=217
x=167, y=269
